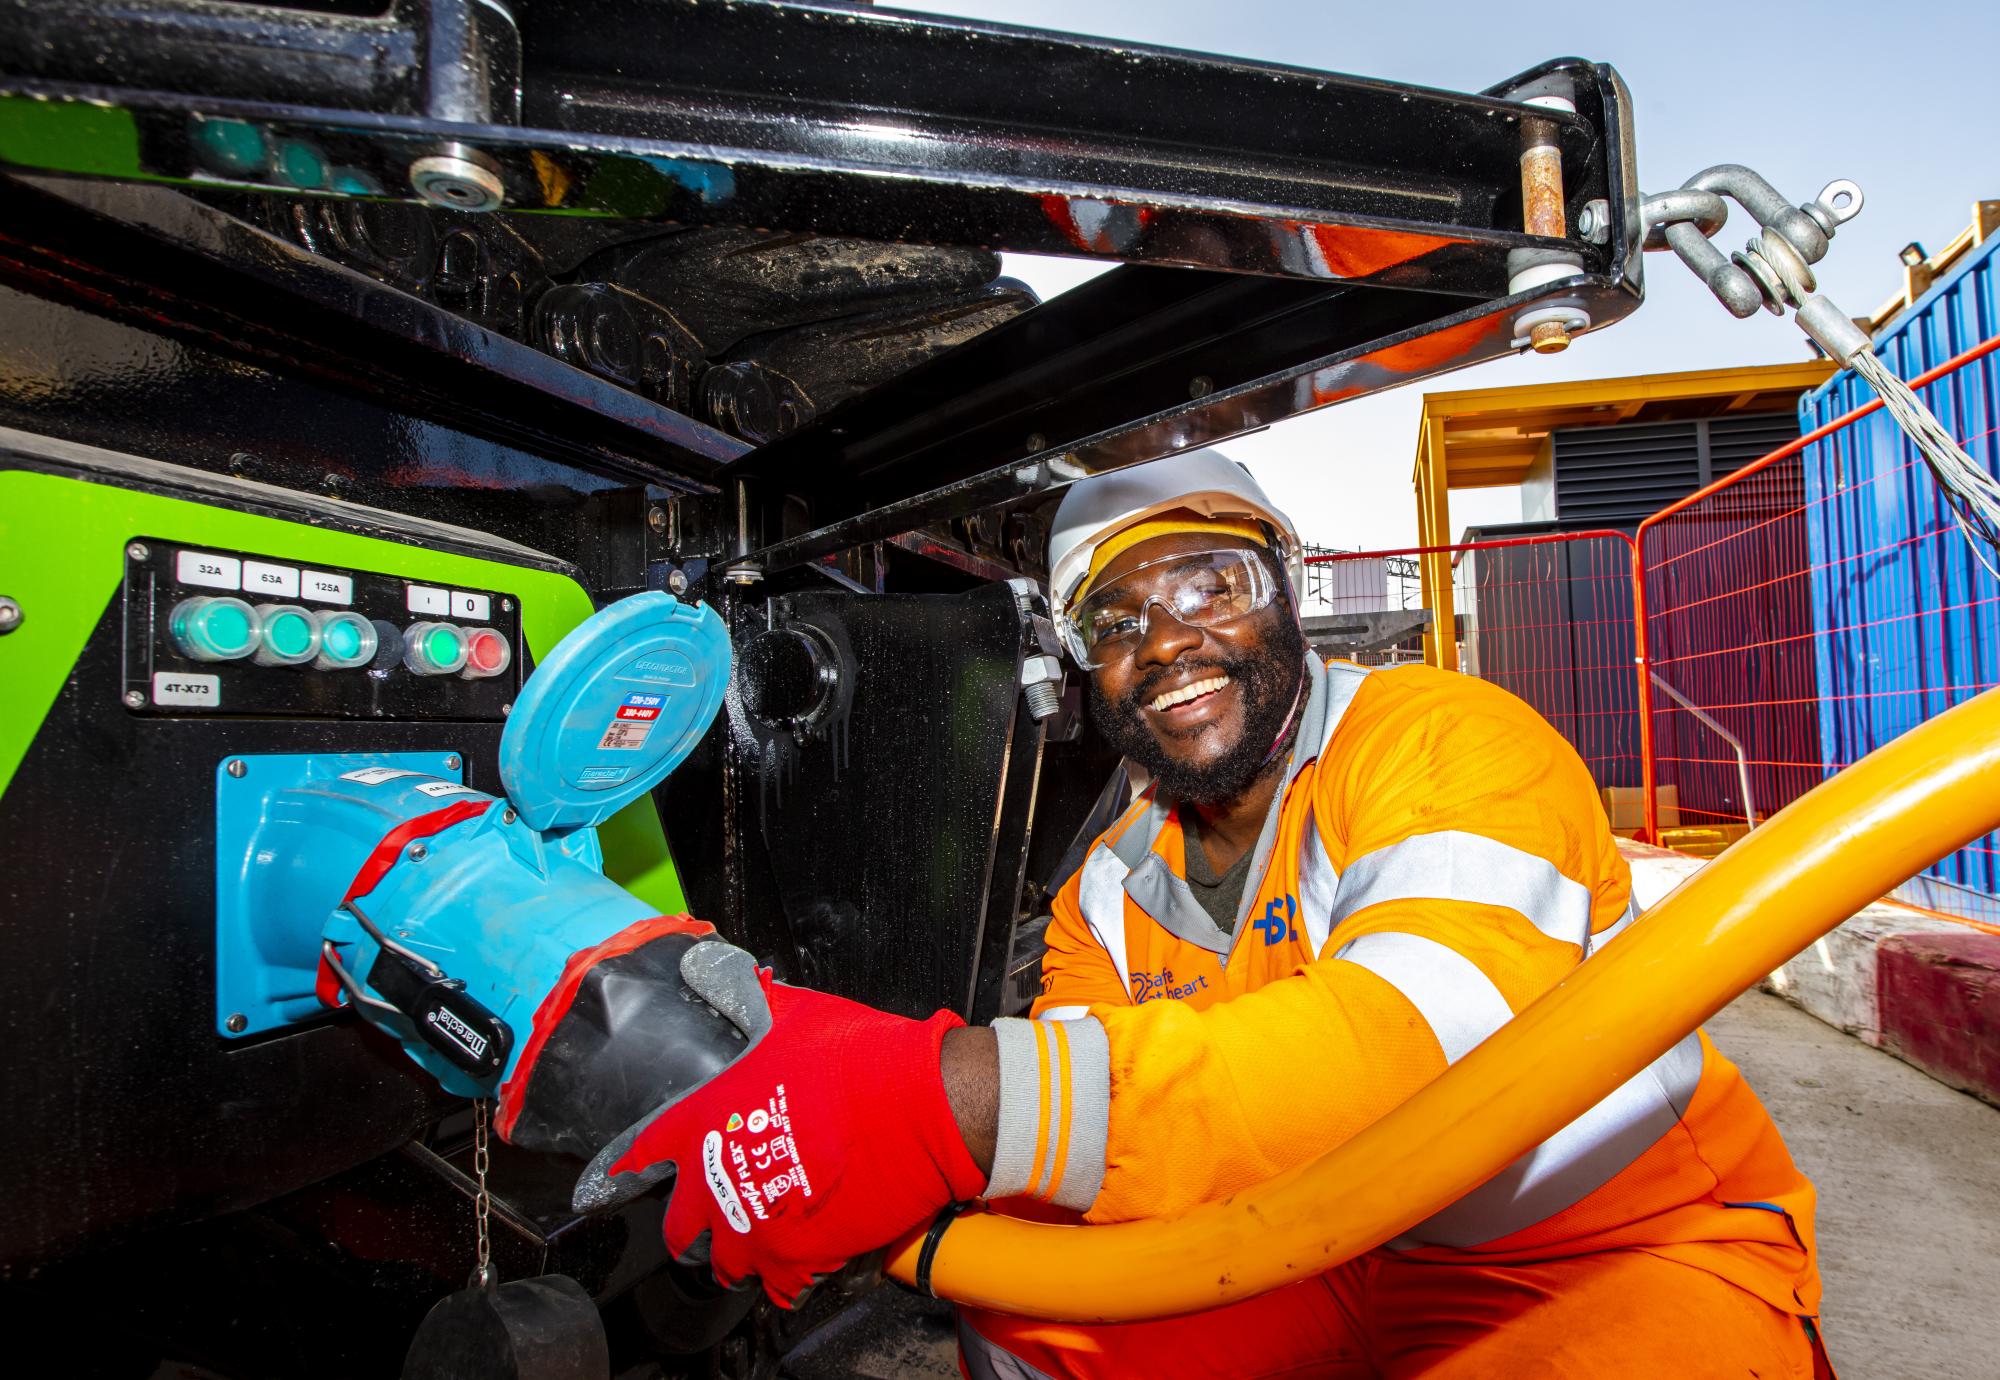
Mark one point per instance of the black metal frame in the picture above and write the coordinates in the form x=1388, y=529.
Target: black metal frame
x=1337, y=235
x=155, y=259
x=1288, y=240
x=879, y=124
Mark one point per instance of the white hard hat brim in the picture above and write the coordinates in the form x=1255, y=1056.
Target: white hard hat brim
x=1096, y=509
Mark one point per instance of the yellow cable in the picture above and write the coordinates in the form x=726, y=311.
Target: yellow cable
x=1831, y=852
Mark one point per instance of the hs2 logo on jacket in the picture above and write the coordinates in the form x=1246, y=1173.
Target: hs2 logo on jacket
x=1274, y=926
x=1279, y=912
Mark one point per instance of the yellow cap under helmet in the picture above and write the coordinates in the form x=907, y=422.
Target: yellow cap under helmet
x=1167, y=524
x=1193, y=491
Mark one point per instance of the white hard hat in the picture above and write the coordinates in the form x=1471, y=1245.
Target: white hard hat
x=1204, y=481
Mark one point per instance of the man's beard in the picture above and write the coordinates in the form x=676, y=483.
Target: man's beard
x=1270, y=682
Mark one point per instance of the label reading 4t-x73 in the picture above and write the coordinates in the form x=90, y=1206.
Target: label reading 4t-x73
x=186, y=690
x=633, y=723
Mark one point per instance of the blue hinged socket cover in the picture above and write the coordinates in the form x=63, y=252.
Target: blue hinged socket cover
x=617, y=705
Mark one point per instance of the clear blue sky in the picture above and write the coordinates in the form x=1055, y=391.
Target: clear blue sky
x=1895, y=96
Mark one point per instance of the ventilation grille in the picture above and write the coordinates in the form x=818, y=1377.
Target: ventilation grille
x=1613, y=476
x=1734, y=442
x=1616, y=476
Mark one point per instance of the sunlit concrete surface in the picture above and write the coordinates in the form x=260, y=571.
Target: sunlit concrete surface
x=1908, y=1173
x=1909, y=1214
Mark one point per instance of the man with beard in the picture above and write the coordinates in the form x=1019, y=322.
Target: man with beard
x=1339, y=882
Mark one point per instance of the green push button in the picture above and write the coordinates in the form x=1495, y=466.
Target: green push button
x=228, y=630
x=346, y=640
x=291, y=636
x=211, y=628
x=288, y=635
x=434, y=649
x=233, y=148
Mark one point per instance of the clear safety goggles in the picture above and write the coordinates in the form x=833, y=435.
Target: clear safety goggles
x=1198, y=588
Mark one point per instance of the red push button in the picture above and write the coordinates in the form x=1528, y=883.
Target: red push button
x=487, y=654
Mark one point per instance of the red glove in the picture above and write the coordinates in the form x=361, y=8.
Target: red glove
x=831, y=1135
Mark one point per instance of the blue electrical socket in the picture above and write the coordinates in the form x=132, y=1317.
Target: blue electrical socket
x=267, y=954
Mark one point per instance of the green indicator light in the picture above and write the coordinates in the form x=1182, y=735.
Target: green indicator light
x=299, y=163
x=208, y=628
x=288, y=635
x=225, y=629
x=433, y=649
x=346, y=641
x=354, y=182
x=231, y=146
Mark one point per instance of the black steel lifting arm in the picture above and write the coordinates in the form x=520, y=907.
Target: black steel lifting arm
x=1332, y=235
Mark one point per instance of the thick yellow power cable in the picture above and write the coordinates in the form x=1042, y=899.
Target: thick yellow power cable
x=1809, y=867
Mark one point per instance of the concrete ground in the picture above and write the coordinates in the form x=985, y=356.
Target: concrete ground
x=1908, y=1173
x=1909, y=1215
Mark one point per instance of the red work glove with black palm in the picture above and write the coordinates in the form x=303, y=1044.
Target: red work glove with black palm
x=829, y=1136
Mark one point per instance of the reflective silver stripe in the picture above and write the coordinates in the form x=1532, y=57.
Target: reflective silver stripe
x=1573, y=1163
x=1262, y=856
x=1041, y=1093
x=1090, y=1114
x=1101, y=897
x=1319, y=880
x=1455, y=866
x=1063, y=1013
x=1020, y=1096
x=1459, y=1003
x=1135, y=840
x=1678, y=1072
x=1576, y=1161
x=985, y=1360
x=1319, y=883
x=1330, y=689
x=1171, y=903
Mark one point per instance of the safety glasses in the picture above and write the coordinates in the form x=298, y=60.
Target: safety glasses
x=1200, y=589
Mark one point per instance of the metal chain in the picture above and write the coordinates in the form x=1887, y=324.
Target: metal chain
x=482, y=1203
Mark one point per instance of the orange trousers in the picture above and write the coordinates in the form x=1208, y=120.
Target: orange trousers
x=1386, y=1317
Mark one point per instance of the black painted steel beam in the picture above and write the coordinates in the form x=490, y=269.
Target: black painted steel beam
x=1291, y=238
x=1143, y=361
x=150, y=256
x=841, y=120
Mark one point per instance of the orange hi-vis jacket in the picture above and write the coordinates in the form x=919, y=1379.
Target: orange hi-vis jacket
x=1435, y=860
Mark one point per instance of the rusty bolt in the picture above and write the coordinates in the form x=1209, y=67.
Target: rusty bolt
x=1549, y=338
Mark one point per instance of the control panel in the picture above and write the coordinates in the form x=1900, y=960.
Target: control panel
x=231, y=632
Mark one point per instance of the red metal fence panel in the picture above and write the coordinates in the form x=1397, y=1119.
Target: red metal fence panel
x=1730, y=646
x=1760, y=634
x=1549, y=617
x=1806, y=609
